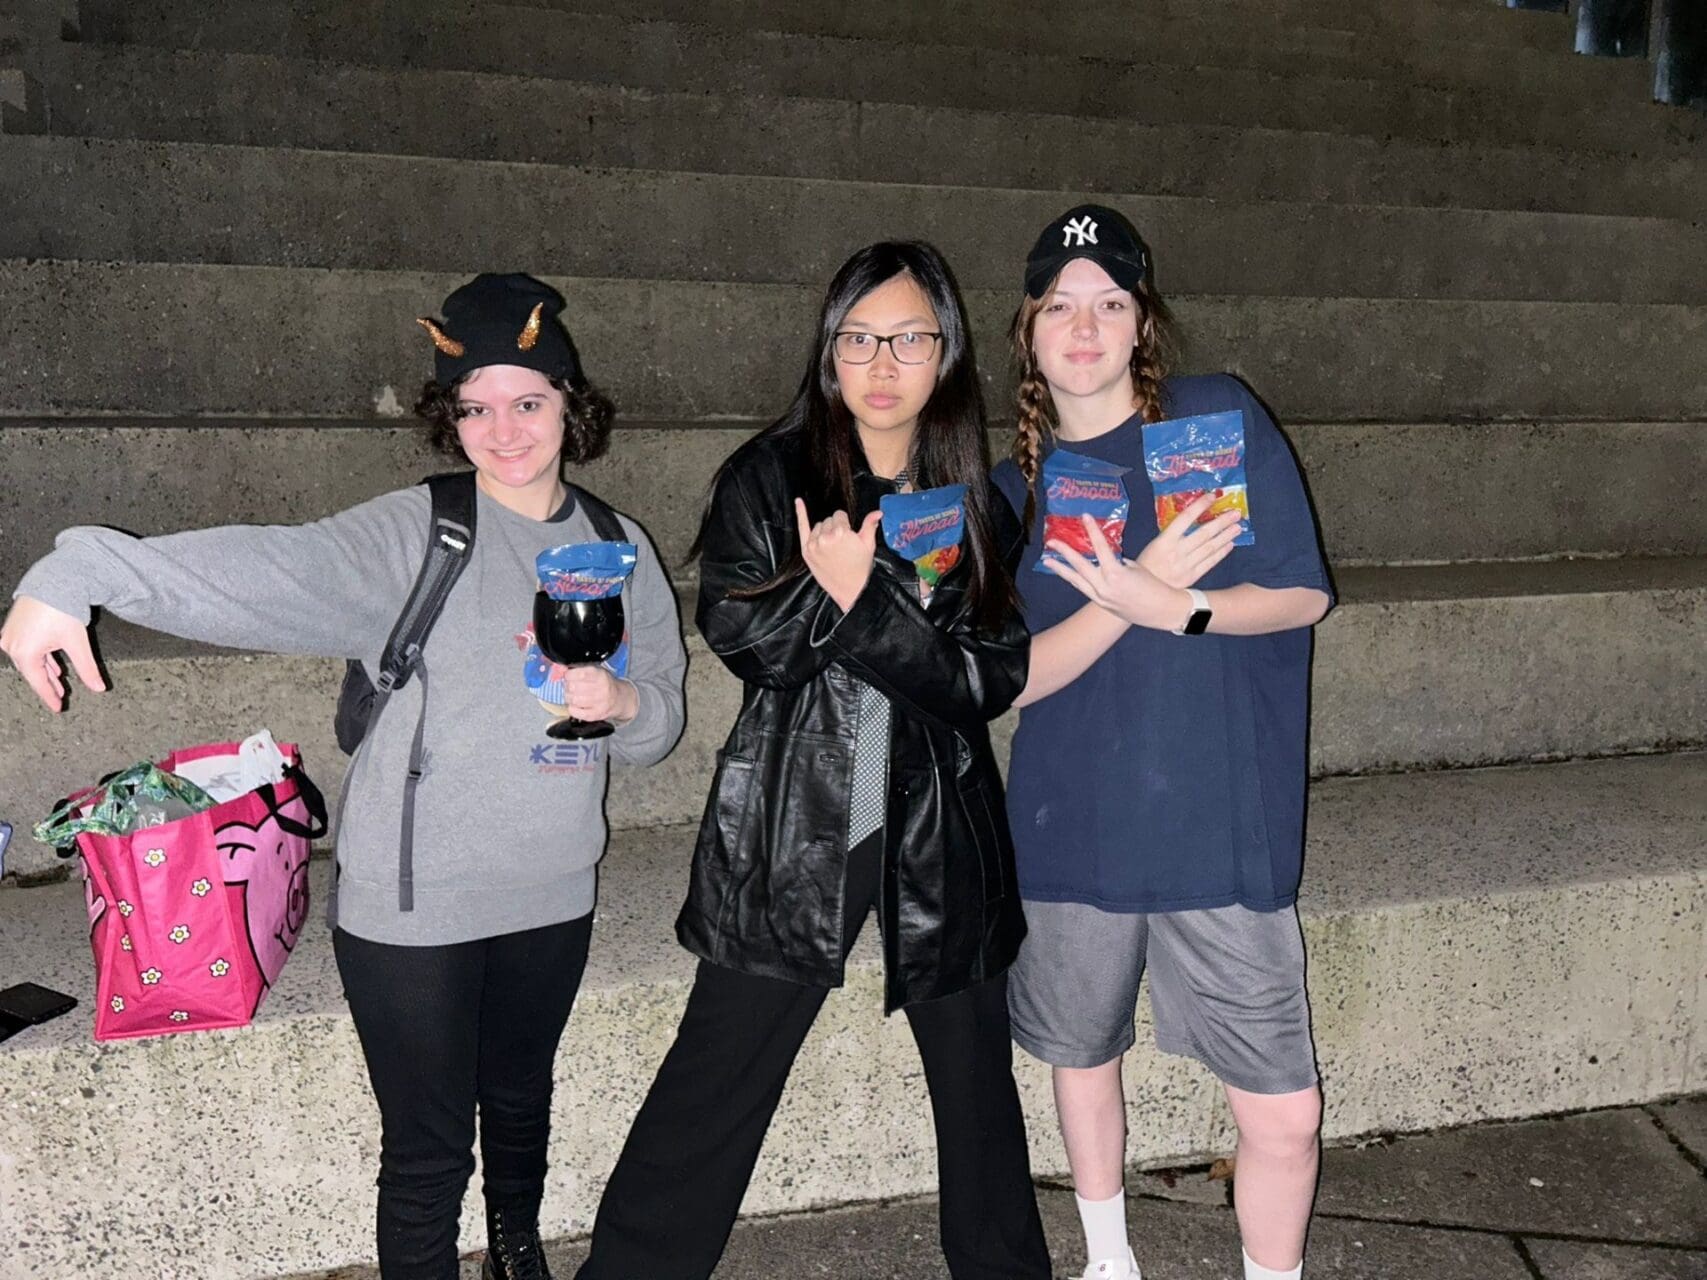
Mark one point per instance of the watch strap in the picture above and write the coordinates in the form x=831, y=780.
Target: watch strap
x=1198, y=619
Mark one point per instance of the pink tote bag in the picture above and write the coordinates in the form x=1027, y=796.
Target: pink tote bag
x=192, y=921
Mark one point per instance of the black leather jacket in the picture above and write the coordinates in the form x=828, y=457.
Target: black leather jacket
x=769, y=867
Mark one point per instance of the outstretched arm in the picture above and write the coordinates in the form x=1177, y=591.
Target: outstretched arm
x=330, y=588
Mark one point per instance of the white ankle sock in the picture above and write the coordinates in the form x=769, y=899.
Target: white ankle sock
x=1256, y=1271
x=1105, y=1226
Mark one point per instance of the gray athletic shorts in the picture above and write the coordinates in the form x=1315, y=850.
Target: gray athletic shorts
x=1226, y=988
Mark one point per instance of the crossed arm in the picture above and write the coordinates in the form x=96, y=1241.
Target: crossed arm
x=1150, y=591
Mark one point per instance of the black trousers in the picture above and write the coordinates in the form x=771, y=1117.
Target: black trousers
x=446, y=1031
x=671, y=1203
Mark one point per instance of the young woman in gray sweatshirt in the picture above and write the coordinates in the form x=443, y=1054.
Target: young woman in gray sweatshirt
x=460, y=996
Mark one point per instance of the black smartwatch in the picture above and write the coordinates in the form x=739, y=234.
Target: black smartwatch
x=1198, y=622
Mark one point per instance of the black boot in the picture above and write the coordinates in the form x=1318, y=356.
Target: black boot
x=513, y=1250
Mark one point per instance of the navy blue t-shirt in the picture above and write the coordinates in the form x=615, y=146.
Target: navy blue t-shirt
x=1171, y=775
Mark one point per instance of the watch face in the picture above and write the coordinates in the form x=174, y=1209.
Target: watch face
x=1198, y=623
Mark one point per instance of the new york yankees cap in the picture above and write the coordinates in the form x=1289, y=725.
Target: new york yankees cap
x=1091, y=231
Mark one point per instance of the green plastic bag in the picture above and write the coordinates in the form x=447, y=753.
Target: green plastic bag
x=144, y=795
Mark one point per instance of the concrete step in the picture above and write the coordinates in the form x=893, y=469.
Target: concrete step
x=1115, y=24
x=262, y=100
x=1486, y=491
x=1483, y=944
x=265, y=206
x=1384, y=493
x=93, y=338
x=1522, y=55
x=1418, y=668
x=31, y=23
x=686, y=57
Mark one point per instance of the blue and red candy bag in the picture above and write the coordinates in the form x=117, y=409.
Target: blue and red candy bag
x=576, y=571
x=926, y=527
x=1075, y=486
x=1188, y=457
x=585, y=570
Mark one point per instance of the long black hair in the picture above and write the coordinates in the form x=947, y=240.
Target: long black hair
x=951, y=444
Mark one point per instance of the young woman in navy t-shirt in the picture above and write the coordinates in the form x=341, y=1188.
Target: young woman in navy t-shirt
x=1156, y=791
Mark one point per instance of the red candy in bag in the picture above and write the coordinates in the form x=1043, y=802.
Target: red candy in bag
x=1075, y=486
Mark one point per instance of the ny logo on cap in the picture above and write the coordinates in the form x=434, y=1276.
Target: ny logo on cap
x=1083, y=228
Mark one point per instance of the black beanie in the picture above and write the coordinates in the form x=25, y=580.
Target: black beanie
x=1091, y=231
x=502, y=319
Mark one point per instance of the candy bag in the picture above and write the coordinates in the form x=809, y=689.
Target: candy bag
x=576, y=571
x=1075, y=486
x=1187, y=457
x=927, y=528
x=585, y=570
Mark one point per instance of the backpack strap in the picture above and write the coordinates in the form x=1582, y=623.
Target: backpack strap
x=449, y=543
x=603, y=516
x=447, y=555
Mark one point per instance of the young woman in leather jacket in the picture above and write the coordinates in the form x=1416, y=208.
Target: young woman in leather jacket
x=858, y=776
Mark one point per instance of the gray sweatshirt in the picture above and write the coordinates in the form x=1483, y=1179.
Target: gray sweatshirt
x=509, y=823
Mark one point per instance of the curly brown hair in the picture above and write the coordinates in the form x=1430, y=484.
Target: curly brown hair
x=587, y=418
x=1152, y=358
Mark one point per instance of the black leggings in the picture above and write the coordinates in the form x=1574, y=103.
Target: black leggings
x=671, y=1203
x=444, y=1030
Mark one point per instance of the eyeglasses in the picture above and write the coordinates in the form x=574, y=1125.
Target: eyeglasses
x=855, y=347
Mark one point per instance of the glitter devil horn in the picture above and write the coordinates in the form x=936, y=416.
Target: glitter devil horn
x=530, y=331
x=442, y=340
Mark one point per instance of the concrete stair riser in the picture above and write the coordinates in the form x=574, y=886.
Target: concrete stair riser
x=1112, y=23
x=1473, y=23
x=1478, y=675
x=1538, y=104
x=268, y=101
x=1394, y=493
x=1394, y=49
x=1432, y=677
x=686, y=58
x=450, y=215
x=26, y=25
x=272, y=342
x=1520, y=53
x=1383, y=493
x=1466, y=964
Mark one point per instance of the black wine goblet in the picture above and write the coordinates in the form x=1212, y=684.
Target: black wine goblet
x=577, y=633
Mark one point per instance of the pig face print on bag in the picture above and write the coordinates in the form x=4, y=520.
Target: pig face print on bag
x=264, y=867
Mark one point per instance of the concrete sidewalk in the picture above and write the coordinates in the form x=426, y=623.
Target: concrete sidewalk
x=1599, y=1195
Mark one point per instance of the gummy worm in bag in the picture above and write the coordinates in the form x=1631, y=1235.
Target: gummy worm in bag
x=1075, y=486
x=926, y=527
x=1188, y=457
